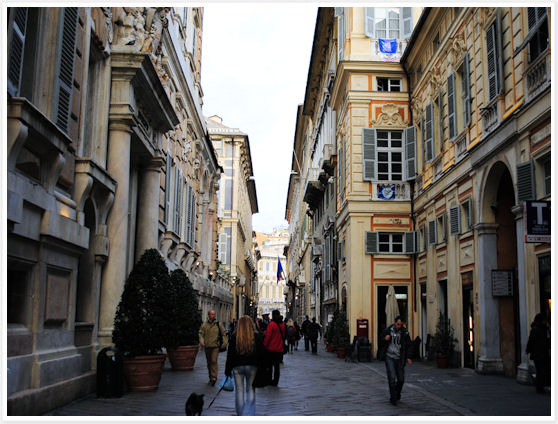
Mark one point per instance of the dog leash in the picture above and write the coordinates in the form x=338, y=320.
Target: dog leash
x=215, y=397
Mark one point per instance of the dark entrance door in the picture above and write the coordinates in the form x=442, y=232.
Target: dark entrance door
x=401, y=295
x=468, y=321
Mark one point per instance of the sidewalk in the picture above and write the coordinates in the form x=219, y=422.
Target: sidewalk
x=324, y=385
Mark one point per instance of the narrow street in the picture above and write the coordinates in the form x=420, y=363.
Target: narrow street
x=323, y=385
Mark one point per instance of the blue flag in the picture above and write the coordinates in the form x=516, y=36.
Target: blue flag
x=388, y=45
x=279, y=270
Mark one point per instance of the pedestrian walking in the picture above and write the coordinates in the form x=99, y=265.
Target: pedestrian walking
x=291, y=335
x=538, y=346
x=261, y=323
x=396, y=343
x=298, y=334
x=314, y=330
x=304, y=329
x=273, y=342
x=244, y=354
x=282, y=322
x=232, y=326
x=212, y=337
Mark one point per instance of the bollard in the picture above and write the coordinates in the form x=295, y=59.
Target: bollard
x=110, y=376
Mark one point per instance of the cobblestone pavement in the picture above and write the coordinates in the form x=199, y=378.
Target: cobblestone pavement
x=312, y=385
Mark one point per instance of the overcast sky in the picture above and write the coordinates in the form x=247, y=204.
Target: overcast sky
x=255, y=60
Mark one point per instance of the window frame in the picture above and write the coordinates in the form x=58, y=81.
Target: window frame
x=390, y=150
x=390, y=243
x=395, y=82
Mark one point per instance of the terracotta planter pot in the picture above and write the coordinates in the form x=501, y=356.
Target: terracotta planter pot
x=143, y=373
x=183, y=357
x=442, y=361
x=330, y=347
x=341, y=352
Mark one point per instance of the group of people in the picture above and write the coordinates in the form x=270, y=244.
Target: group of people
x=253, y=345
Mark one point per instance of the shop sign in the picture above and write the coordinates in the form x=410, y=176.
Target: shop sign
x=536, y=215
x=502, y=282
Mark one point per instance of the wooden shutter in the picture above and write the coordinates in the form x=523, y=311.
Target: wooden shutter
x=499, y=62
x=222, y=248
x=440, y=117
x=341, y=182
x=340, y=36
x=168, y=189
x=432, y=233
x=181, y=204
x=455, y=220
x=16, y=50
x=369, y=23
x=371, y=242
x=341, y=250
x=410, y=153
x=65, y=68
x=535, y=17
x=187, y=217
x=429, y=132
x=443, y=231
x=368, y=154
x=407, y=22
x=491, y=61
x=466, y=90
x=410, y=241
x=451, y=106
x=469, y=205
x=192, y=218
x=526, y=189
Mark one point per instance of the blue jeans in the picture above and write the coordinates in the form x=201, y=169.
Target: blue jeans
x=245, y=394
x=395, y=369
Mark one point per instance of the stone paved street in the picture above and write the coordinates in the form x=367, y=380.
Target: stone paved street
x=322, y=384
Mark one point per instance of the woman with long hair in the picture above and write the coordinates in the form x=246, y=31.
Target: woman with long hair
x=243, y=356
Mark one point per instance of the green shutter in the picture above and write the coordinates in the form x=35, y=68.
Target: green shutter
x=410, y=153
x=16, y=50
x=432, y=233
x=410, y=241
x=466, y=90
x=371, y=242
x=368, y=154
x=429, y=132
x=65, y=68
x=167, y=189
x=526, y=188
x=451, y=107
x=455, y=220
x=491, y=62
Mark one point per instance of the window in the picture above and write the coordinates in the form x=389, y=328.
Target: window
x=390, y=243
x=432, y=232
x=377, y=243
x=465, y=91
x=422, y=233
x=441, y=227
x=467, y=213
x=388, y=84
x=436, y=42
x=390, y=154
x=340, y=33
x=538, y=31
x=389, y=22
x=494, y=58
x=547, y=180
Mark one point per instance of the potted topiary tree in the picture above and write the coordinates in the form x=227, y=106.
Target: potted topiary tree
x=328, y=336
x=341, y=336
x=444, y=341
x=184, y=321
x=140, y=322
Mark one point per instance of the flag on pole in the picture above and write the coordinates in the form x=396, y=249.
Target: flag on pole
x=280, y=273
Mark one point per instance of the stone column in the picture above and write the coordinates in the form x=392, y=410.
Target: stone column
x=114, y=274
x=490, y=360
x=148, y=207
x=523, y=375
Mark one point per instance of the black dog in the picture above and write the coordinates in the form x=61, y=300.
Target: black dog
x=194, y=404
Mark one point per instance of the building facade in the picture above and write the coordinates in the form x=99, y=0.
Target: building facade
x=480, y=93
x=237, y=202
x=271, y=292
x=108, y=155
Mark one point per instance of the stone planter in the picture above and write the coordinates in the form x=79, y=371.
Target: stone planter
x=183, y=357
x=330, y=347
x=442, y=361
x=143, y=373
x=341, y=352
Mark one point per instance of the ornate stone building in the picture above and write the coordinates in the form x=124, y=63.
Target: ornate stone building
x=237, y=202
x=107, y=155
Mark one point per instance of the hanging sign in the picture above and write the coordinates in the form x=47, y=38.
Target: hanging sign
x=536, y=215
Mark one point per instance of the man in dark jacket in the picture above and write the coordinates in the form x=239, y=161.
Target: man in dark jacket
x=396, y=344
x=538, y=346
x=304, y=329
x=314, y=329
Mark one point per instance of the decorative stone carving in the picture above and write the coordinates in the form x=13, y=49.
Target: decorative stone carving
x=457, y=49
x=139, y=27
x=389, y=117
x=484, y=15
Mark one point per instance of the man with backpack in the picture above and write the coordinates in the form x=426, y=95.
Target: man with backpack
x=304, y=329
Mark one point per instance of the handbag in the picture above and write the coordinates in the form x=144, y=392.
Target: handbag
x=222, y=348
x=227, y=384
x=285, y=345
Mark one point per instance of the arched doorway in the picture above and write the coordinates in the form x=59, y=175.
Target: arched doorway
x=498, y=201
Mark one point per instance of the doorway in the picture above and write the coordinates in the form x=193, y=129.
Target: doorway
x=423, y=319
x=468, y=320
x=401, y=295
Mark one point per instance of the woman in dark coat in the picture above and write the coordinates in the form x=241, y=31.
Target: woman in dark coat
x=244, y=353
x=538, y=346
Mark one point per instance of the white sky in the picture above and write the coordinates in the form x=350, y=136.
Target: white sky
x=255, y=60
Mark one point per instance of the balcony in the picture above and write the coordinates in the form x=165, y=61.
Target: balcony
x=313, y=188
x=490, y=116
x=391, y=191
x=537, y=76
x=326, y=161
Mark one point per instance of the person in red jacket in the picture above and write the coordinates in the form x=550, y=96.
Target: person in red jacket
x=274, y=340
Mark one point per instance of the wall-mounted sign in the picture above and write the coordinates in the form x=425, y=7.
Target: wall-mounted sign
x=536, y=215
x=502, y=282
x=386, y=191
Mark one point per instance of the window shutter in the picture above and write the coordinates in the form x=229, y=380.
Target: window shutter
x=531, y=17
x=338, y=11
x=410, y=147
x=466, y=90
x=340, y=36
x=429, y=132
x=535, y=16
x=340, y=182
x=499, y=63
x=192, y=218
x=182, y=181
x=368, y=154
x=432, y=233
x=469, y=206
x=451, y=106
x=187, y=217
x=222, y=248
x=340, y=252
x=167, y=189
x=407, y=26
x=526, y=181
x=440, y=116
x=17, y=45
x=65, y=68
x=369, y=24
x=455, y=220
x=176, y=197
x=410, y=242
x=371, y=244
x=443, y=227
x=491, y=61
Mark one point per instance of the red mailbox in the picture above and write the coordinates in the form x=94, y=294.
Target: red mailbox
x=362, y=328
